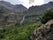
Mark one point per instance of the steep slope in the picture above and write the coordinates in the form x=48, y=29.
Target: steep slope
x=45, y=32
x=13, y=8
x=10, y=14
x=20, y=8
x=7, y=18
x=6, y=5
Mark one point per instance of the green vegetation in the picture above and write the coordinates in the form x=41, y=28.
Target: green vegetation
x=31, y=16
x=23, y=32
x=19, y=33
x=48, y=16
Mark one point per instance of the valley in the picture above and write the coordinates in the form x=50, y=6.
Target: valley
x=18, y=23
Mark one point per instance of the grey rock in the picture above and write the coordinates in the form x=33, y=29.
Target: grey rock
x=44, y=32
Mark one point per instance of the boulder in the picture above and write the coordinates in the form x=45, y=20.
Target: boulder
x=44, y=32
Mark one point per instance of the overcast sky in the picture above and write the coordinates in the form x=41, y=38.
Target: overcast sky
x=26, y=2
x=47, y=1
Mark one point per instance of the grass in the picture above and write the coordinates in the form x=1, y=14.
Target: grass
x=19, y=33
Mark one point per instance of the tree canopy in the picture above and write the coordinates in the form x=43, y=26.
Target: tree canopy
x=48, y=15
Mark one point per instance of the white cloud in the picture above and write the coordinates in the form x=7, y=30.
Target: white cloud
x=36, y=2
x=26, y=2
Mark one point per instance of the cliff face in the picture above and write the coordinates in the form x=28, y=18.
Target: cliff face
x=45, y=32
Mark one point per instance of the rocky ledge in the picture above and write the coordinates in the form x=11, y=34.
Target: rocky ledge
x=44, y=32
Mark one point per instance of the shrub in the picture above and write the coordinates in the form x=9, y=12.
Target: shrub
x=47, y=16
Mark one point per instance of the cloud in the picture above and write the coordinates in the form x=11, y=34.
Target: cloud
x=26, y=2
x=35, y=2
x=14, y=1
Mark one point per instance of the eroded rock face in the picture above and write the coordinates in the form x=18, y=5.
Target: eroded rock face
x=45, y=32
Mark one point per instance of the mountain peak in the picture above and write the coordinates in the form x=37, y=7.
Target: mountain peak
x=51, y=2
x=19, y=5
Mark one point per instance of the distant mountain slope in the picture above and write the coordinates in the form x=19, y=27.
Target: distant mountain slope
x=16, y=8
x=34, y=12
x=6, y=5
x=20, y=8
x=39, y=8
x=16, y=13
x=48, y=5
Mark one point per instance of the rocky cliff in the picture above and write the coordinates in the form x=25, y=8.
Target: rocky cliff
x=45, y=32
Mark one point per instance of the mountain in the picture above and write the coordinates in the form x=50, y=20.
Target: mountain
x=48, y=5
x=42, y=7
x=7, y=5
x=18, y=14
x=20, y=8
x=13, y=8
x=35, y=12
x=10, y=14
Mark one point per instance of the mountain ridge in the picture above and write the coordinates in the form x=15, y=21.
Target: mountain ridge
x=19, y=12
x=13, y=7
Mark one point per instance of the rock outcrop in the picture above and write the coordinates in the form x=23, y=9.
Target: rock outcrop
x=45, y=32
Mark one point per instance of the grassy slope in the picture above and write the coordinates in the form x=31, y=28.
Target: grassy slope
x=19, y=33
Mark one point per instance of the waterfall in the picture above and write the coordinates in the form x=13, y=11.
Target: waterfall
x=21, y=22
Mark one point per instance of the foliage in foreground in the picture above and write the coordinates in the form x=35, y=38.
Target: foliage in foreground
x=19, y=33
x=48, y=16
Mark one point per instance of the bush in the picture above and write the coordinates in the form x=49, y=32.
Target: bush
x=48, y=16
x=19, y=33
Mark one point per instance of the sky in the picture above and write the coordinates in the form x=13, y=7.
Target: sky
x=46, y=1
x=28, y=3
